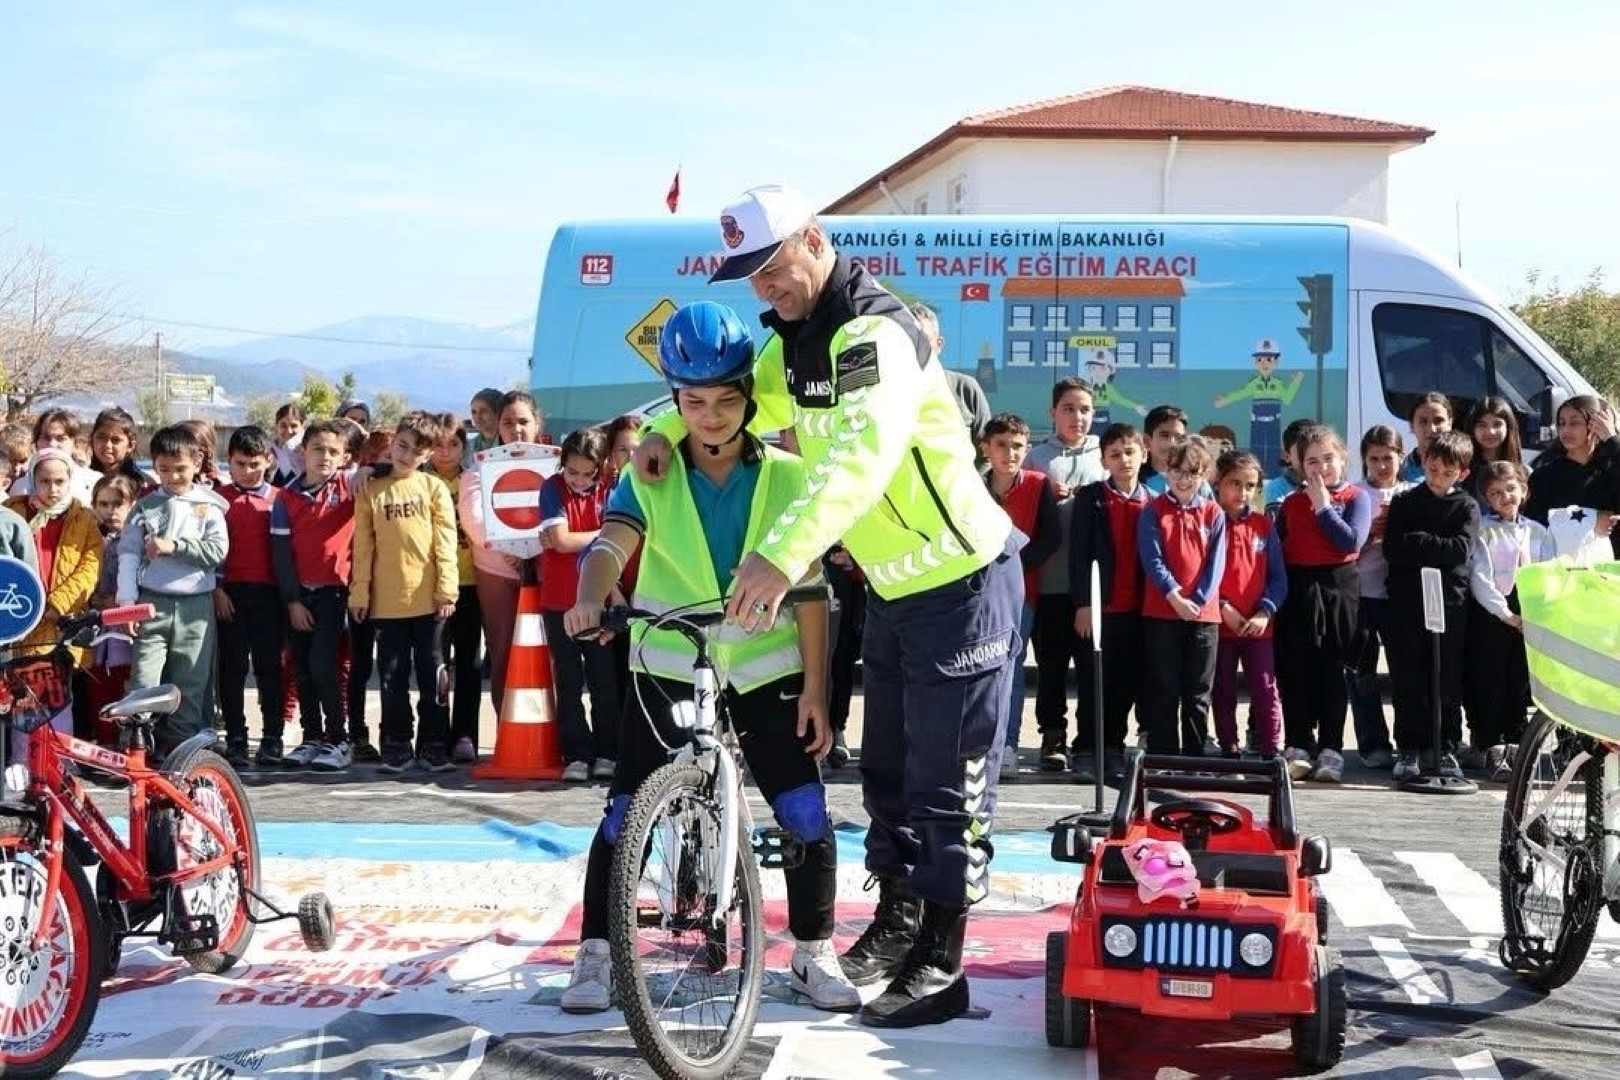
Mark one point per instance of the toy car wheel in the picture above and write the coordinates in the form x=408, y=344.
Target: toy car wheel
x=1322, y=909
x=1068, y=1020
x=1319, y=1038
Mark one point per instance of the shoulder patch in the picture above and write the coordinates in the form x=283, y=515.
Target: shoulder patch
x=857, y=366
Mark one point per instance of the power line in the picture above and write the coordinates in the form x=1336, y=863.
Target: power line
x=331, y=340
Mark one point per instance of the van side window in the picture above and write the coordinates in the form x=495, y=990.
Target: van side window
x=1459, y=354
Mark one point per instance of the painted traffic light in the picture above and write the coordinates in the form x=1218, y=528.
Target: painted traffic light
x=1318, y=311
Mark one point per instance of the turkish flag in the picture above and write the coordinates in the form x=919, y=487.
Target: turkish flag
x=975, y=290
x=673, y=199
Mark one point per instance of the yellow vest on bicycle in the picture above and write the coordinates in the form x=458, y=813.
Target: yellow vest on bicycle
x=677, y=572
x=1572, y=641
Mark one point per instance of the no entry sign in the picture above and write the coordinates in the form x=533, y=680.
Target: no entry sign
x=510, y=477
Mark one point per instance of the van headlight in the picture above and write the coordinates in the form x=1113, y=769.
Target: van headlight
x=1255, y=949
x=1119, y=940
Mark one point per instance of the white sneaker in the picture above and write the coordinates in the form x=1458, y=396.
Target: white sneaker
x=575, y=771
x=590, y=987
x=603, y=769
x=1299, y=763
x=1406, y=767
x=1009, y=764
x=818, y=976
x=1329, y=767
x=301, y=755
x=332, y=758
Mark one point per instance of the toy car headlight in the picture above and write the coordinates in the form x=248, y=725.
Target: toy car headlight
x=1119, y=940
x=1255, y=949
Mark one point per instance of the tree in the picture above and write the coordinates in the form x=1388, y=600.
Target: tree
x=318, y=397
x=389, y=409
x=347, y=389
x=59, y=335
x=261, y=411
x=1583, y=324
x=152, y=407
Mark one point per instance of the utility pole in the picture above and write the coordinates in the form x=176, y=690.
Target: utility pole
x=161, y=386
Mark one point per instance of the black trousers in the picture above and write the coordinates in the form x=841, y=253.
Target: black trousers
x=1316, y=640
x=1411, y=673
x=850, y=620
x=1057, y=646
x=404, y=646
x=315, y=659
x=1496, y=692
x=362, y=662
x=765, y=720
x=459, y=639
x=576, y=666
x=1123, y=665
x=252, y=638
x=1180, y=678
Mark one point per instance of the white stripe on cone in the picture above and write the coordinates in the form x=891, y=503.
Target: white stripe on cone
x=529, y=632
x=527, y=706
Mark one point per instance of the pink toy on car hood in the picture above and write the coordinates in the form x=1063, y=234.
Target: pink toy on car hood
x=1163, y=868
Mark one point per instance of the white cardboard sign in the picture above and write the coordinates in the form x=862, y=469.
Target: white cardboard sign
x=509, y=480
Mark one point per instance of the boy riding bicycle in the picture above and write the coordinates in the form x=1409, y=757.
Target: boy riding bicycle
x=724, y=488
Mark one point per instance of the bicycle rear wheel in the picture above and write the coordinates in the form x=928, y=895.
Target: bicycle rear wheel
x=689, y=977
x=218, y=793
x=1550, y=861
x=48, y=997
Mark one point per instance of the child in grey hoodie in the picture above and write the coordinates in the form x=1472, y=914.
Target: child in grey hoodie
x=169, y=552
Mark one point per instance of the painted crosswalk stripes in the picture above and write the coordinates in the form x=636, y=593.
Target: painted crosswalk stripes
x=1464, y=891
x=1357, y=896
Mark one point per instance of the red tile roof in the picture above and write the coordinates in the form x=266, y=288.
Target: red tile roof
x=1143, y=112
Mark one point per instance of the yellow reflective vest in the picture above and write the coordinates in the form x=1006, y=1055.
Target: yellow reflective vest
x=676, y=571
x=1572, y=641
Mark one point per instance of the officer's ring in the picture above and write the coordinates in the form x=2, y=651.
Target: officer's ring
x=761, y=608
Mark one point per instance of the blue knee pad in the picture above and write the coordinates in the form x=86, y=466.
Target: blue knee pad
x=803, y=812
x=613, y=822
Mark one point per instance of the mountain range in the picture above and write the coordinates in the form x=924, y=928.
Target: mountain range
x=437, y=365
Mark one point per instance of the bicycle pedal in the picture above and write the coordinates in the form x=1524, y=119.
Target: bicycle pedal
x=778, y=849
x=186, y=934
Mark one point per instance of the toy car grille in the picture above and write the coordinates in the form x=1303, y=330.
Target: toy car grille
x=1192, y=945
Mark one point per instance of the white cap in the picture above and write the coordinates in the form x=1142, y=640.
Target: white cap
x=1102, y=357
x=1266, y=347
x=753, y=227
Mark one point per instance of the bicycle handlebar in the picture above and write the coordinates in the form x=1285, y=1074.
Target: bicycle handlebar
x=71, y=626
x=618, y=619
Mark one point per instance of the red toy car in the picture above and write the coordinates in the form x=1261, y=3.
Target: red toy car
x=1251, y=944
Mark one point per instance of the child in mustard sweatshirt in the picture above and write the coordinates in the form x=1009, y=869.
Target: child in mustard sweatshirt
x=405, y=581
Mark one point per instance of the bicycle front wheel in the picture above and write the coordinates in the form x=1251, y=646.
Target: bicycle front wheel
x=1550, y=863
x=48, y=996
x=689, y=976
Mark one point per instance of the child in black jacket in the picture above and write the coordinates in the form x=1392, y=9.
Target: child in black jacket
x=1432, y=524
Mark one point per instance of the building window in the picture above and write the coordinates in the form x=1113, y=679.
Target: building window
x=1057, y=317
x=956, y=195
x=1125, y=354
x=1023, y=316
x=919, y=205
x=1164, y=354
x=1091, y=317
x=1164, y=317
x=1125, y=317
x=1022, y=355
x=1056, y=353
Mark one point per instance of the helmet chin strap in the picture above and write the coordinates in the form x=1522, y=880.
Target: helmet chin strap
x=748, y=418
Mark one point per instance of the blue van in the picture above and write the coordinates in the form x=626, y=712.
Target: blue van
x=1245, y=322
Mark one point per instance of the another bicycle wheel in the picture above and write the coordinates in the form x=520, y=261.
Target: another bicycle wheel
x=48, y=996
x=224, y=894
x=1552, y=841
x=689, y=977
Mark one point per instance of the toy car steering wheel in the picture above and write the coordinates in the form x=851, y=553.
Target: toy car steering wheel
x=1196, y=819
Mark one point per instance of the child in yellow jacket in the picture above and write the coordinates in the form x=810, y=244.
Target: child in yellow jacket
x=405, y=581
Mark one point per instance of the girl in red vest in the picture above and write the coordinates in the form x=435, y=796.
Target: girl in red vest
x=1181, y=541
x=1252, y=589
x=1324, y=525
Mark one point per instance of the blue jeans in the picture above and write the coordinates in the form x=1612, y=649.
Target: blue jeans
x=1015, y=711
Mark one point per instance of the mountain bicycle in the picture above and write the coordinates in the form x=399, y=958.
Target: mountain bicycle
x=683, y=875
x=190, y=866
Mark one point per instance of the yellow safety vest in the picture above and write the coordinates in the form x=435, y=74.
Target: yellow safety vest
x=676, y=571
x=1572, y=640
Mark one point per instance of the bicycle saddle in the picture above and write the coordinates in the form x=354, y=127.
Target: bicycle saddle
x=154, y=701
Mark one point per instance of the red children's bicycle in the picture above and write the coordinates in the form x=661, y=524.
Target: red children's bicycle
x=188, y=875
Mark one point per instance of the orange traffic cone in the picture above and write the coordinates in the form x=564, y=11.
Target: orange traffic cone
x=526, y=746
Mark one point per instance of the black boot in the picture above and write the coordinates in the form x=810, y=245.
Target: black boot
x=931, y=986
x=883, y=945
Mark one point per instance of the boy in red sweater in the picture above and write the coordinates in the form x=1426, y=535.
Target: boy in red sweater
x=1103, y=532
x=1252, y=589
x=1181, y=541
x=247, y=604
x=1028, y=500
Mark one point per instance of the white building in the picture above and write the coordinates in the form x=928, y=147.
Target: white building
x=1136, y=149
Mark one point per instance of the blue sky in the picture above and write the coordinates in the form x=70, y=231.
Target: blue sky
x=282, y=167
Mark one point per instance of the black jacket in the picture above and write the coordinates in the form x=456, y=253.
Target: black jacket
x=1424, y=529
x=1091, y=539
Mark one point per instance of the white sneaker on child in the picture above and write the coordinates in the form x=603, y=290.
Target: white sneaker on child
x=818, y=976
x=301, y=755
x=1406, y=767
x=332, y=758
x=1329, y=767
x=603, y=769
x=590, y=987
x=575, y=771
x=1299, y=763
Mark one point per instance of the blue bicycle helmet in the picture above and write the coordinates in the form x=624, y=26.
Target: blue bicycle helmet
x=705, y=344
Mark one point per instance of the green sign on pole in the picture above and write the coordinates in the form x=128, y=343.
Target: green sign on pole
x=188, y=389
